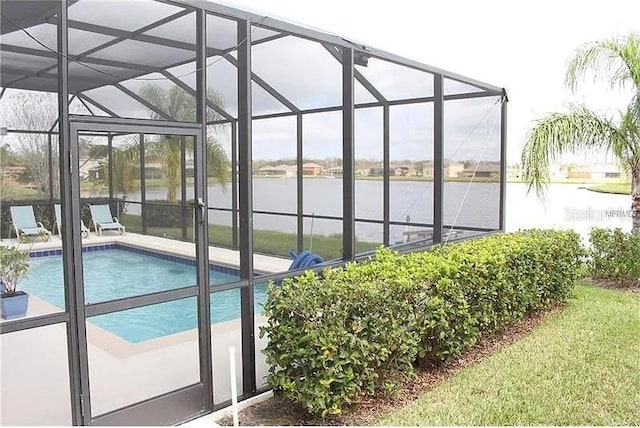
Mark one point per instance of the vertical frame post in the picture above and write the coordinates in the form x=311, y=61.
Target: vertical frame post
x=234, y=184
x=299, y=182
x=386, y=178
x=201, y=221
x=50, y=165
x=438, y=157
x=71, y=241
x=246, y=206
x=184, y=215
x=110, y=165
x=348, y=164
x=143, y=186
x=503, y=160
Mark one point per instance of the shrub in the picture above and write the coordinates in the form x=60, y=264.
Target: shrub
x=351, y=330
x=615, y=256
x=165, y=214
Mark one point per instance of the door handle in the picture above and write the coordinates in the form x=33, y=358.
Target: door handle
x=200, y=204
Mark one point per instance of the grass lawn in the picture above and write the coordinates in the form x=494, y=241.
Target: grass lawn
x=265, y=241
x=617, y=188
x=581, y=367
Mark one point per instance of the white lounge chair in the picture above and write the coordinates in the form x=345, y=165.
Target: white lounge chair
x=103, y=220
x=25, y=225
x=84, y=229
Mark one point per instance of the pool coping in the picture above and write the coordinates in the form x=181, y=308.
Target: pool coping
x=163, y=255
x=121, y=348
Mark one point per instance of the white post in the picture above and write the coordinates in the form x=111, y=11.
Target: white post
x=234, y=388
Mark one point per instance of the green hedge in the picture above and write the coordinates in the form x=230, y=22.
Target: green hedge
x=615, y=256
x=352, y=330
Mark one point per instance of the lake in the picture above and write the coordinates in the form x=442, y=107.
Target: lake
x=475, y=205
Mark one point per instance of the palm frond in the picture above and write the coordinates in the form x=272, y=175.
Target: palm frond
x=615, y=60
x=181, y=106
x=217, y=99
x=217, y=162
x=126, y=161
x=558, y=133
x=156, y=96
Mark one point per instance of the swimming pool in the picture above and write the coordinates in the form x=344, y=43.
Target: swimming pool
x=117, y=271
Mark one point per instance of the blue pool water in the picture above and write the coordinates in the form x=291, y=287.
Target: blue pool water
x=117, y=273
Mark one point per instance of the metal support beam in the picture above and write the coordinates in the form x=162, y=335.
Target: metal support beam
x=97, y=104
x=71, y=245
x=143, y=186
x=234, y=185
x=129, y=35
x=299, y=182
x=348, y=163
x=503, y=160
x=264, y=85
x=110, y=163
x=386, y=178
x=335, y=52
x=318, y=36
x=201, y=225
x=438, y=157
x=419, y=100
x=188, y=89
x=144, y=102
x=83, y=102
x=246, y=208
x=50, y=166
x=184, y=211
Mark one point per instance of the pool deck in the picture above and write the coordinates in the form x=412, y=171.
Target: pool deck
x=217, y=255
x=34, y=368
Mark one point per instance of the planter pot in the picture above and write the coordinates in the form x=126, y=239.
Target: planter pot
x=15, y=305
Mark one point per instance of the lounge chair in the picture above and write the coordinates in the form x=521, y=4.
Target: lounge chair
x=25, y=225
x=103, y=220
x=84, y=229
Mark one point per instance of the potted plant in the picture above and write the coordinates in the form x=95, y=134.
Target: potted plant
x=14, y=266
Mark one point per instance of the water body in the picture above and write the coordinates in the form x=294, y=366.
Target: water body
x=474, y=205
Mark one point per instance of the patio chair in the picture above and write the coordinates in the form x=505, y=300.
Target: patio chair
x=103, y=220
x=25, y=225
x=84, y=229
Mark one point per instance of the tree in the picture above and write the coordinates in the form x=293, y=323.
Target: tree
x=126, y=160
x=34, y=112
x=181, y=106
x=617, y=61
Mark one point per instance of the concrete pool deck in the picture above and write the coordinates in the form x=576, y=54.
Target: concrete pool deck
x=217, y=255
x=34, y=368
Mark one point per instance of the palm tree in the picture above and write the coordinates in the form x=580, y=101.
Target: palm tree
x=126, y=160
x=617, y=61
x=181, y=106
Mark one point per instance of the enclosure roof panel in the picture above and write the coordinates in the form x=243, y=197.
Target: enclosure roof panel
x=114, y=41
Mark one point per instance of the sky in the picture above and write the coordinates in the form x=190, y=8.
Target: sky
x=523, y=46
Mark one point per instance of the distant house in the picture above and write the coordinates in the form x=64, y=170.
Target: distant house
x=152, y=170
x=557, y=171
x=427, y=171
x=453, y=169
x=312, y=169
x=401, y=170
x=335, y=171
x=91, y=169
x=596, y=172
x=483, y=169
x=376, y=171
x=12, y=173
x=279, y=170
